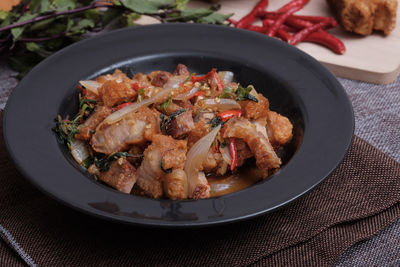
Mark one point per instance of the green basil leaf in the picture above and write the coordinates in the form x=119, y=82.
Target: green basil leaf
x=214, y=18
x=146, y=6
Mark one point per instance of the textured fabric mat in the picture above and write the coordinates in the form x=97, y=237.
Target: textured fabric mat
x=358, y=200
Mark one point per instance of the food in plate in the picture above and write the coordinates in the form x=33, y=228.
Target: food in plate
x=175, y=135
x=364, y=16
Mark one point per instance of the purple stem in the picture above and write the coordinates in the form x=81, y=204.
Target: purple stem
x=68, y=12
x=42, y=39
x=25, y=7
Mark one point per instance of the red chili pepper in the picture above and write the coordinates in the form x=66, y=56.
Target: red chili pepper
x=233, y=153
x=198, y=93
x=260, y=29
x=292, y=4
x=270, y=22
x=328, y=40
x=135, y=86
x=317, y=19
x=251, y=17
x=226, y=115
x=281, y=19
x=213, y=73
x=301, y=35
x=232, y=21
x=123, y=105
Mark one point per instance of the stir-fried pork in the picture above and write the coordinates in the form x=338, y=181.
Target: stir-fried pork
x=162, y=157
x=91, y=123
x=135, y=128
x=121, y=175
x=263, y=151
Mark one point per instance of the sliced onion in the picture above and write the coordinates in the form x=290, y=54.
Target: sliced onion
x=187, y=95
x=92, y=86
x=79, y=150
x=195, y=158
x=226, y=76
x=161, y=96
x=222, y=104
x=226, y=155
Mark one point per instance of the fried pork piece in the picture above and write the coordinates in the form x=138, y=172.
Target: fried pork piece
x=279, y=128
x=181, y=125
x=113, y=93
x=254, y=110
x=170, y=154
x=363, y=16
x=259, y=144
x=121, y=175
x=159, y=78
x=181, y=70
x=215, y=163
x=201, y=128
x=136, y=127
x=91, y=123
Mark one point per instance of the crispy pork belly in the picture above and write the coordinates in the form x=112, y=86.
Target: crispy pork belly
x=91, y=123
x=113, y=93
x=136, y=127
x=175, y=184
x=167, y=153
x=363, y=16
x=259, y=144
x=254, y=110
x=202, y=188
x=201, y=128
x=215, y=163
x=121, y=175
x=181, y=70
x=280, y=129
x=159, y=78
x=181, y=125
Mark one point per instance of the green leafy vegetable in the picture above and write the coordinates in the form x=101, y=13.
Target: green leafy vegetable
x=166, y=104
x=161, y=162
x=46, y=26
x=216, y=121
x=140, y=96
x=227, y=93
x=244, y=94
x=104, y=163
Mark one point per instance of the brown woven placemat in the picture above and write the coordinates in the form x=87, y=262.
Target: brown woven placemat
x=359, y=199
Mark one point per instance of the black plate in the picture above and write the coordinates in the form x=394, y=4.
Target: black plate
x=295, y=83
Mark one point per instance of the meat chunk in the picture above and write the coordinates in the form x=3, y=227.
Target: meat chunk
x=117, y=76
x=243, y=152
x=259, y=145
x=113, y=93
x=91, y=123
x=175, y=184
x=280, y=129
x=136, y=127
x=159, y=78
x=202, y=188
x=180, y=126
x=215, y=163
x=163, y=156
x=121, y=175
x=181, y=70
x=254, y=110
x=363, y=16
x=201, y=128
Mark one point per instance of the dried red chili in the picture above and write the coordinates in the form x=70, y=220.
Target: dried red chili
x=233, y=153
x=252, y=16
x=226, y=115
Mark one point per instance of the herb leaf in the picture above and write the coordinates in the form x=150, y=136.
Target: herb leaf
x=146, y=6
x=166, y=104
x=216, y=121
x=104, y=163
x=244, y=94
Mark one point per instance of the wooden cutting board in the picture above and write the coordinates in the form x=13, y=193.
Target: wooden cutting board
x=374, y=58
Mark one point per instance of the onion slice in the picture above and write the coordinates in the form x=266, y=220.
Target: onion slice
x=226, y=76
x=226, y=155
x=161, y=96
x=92, y=86
x=79, y=150
x=187, y=95
x=195, y=158
x=222, y=104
